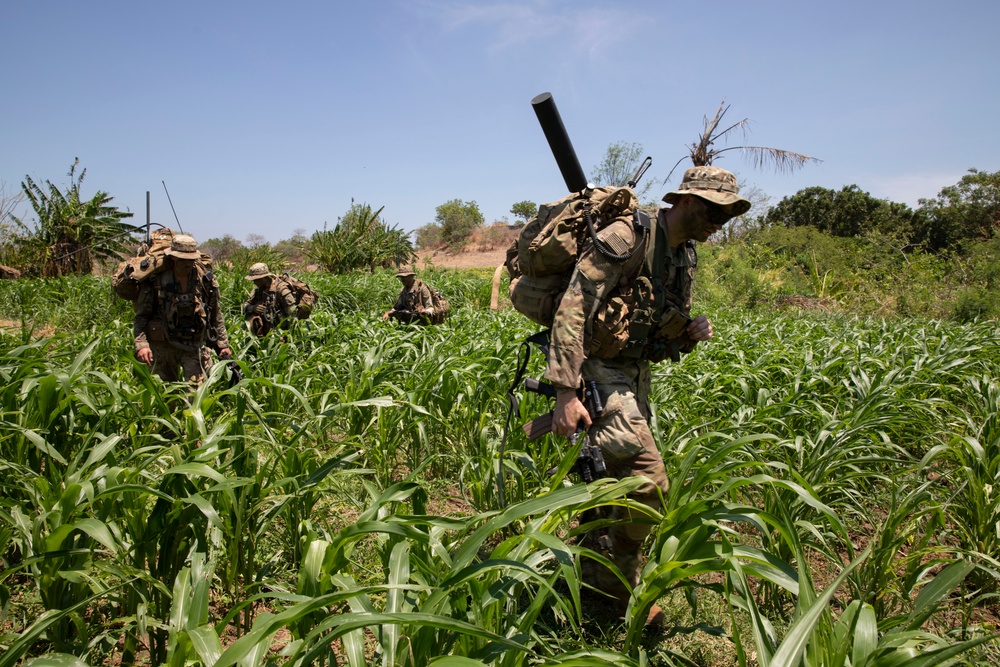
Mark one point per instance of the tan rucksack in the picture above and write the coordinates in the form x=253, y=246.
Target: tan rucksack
x=305, y=296
x=441, y=306
x=148, y=261
x=541, y=259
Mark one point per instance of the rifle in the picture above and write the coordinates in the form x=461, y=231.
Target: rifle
x=235, y=372
x=589, y=463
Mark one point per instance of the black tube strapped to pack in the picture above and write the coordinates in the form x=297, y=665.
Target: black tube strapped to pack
x=559, y=143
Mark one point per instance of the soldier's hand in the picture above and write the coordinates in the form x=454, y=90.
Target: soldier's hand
x=145, y=355
x=386, y=316
x=700, y=328
x=569, y=413
x=259, y=309
x=225, y=353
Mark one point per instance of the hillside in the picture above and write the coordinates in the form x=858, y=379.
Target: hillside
x=461, y=260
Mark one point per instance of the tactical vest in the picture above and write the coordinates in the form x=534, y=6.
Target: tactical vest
x=186, y=315
x=647, y=318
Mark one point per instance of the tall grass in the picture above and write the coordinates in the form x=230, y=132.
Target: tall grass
x=830, y=489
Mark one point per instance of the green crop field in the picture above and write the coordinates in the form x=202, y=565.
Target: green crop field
x=835, y=493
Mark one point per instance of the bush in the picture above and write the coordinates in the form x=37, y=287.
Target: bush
x=361, y=240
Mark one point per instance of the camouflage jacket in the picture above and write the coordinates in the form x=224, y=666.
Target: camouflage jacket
x=185, y=319
x=416, y=299
x=278, y=301
x=600, y=287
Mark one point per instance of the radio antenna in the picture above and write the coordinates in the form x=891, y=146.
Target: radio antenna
x=172, y=206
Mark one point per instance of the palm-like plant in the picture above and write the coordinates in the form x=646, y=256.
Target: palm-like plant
x=703, y=152
x=361, y=241
x=70, y=232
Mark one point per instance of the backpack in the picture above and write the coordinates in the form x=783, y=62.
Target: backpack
x=441, y=306
x=305, y=296
x=147, y=261
x=541, y=259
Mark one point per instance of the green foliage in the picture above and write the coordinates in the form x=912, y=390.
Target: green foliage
x=619, y=163
x=241, y=259
x=345, y=493
x=296, y=248
x=458, y=219
x=847, y=212
x=69, y=233
x=222, y=249
x=429, y=236
x=524, y=210
x=962, y=213
x=361, y=240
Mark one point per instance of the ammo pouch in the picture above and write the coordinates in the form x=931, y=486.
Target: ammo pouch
x=185, y=317
x=634, y=327
x=155, y=333
x=537, y=297
x=611, y=329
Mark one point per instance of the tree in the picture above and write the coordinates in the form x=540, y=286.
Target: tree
x=296, y=248
x=458, y=220
x=702, y=153
x=524, y=210
x=847, y=212
x=619, y=165
x=220, y=249
x=964, y=212
x=70, y=232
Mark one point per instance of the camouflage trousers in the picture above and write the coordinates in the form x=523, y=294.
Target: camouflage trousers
x=192, y=362
x=623, y=434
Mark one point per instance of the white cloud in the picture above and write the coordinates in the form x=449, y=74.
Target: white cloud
x=588, y=31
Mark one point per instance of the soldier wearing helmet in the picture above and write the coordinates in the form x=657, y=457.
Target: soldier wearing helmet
x=177, y=315
x=271, y=303
x=614, y=321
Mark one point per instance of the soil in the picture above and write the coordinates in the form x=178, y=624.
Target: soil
x=478, y=259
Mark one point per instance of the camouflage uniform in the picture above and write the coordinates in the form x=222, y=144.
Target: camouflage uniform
x=278, y=302
x=176, y=325
x=622, y=432
x=414, y=303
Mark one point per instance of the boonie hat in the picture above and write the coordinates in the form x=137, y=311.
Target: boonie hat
x=713, y=184
x=183, y=246
x=258, y=270
x=405, y=272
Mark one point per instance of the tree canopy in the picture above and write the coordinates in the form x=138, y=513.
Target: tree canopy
x=849, y=211
x=458, y=219
x=70, y=232
x=618, y=166
x=524, y=210
x=966, y=211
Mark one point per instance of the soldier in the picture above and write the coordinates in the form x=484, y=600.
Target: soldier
x=654, y=287
x=177, y=315
x=414, y=303
x=270, y=304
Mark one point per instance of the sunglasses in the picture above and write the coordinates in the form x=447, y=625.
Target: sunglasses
x=717, y=215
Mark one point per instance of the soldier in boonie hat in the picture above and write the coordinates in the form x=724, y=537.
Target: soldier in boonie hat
x=183, y=246
x=713, y=184
x=414, y=304
x=258, y=271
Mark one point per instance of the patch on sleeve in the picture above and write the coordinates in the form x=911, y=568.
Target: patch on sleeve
x=616, y=243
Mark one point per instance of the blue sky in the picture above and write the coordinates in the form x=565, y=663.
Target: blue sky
x=266, y=117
